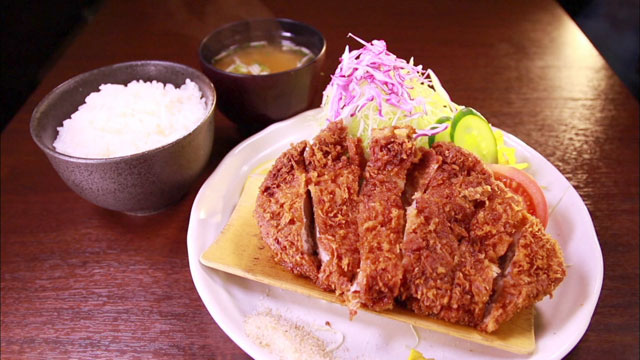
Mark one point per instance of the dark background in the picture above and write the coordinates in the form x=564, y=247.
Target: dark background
x=35, y=33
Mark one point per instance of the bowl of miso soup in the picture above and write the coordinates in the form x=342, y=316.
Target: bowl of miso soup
x=264, y=70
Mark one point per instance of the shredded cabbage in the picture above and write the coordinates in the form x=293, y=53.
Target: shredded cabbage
x=372, y=88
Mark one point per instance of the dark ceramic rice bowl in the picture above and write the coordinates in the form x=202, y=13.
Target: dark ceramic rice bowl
x=141, y=183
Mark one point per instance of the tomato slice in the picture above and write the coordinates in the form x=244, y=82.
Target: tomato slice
x=526, y=186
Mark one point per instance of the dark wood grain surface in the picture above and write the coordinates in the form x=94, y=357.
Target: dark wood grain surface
x=82, y=282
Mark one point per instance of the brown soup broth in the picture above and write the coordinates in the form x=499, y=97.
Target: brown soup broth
x=259, y=58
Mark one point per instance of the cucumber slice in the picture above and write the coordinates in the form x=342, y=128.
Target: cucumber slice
x=472, y=131
x=444, y=136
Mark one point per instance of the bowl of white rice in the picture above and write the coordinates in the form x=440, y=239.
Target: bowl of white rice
x=130, y=137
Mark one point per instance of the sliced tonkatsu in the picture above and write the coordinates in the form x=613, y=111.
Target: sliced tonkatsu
x=461, y=232
x=334, y=163
x=284, y=215
x=532, y=269
x=430, y=229
x=381, y=218
x=447, y=274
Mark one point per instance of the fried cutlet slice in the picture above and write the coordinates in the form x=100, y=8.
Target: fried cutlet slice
x=448, y=272
x=284, y=215
x=334, y=166
x=533, y=269
x=419, y=174
x=381, y=218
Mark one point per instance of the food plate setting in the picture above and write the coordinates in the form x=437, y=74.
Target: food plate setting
x=232, y=300
x=338, y=200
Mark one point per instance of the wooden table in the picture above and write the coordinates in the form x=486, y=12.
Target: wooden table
x=82, y=282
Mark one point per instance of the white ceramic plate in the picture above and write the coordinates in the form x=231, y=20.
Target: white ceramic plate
x=559, y=324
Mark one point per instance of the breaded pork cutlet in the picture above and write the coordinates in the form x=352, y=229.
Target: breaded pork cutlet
x=465, y=251
x=381, y=218
x=447, y=274
x=334, y=163
x=462, y=231
x=419, y=174
x=283, y=212
x=532, y=269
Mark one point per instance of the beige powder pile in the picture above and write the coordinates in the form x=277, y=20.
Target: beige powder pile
x=285, y=338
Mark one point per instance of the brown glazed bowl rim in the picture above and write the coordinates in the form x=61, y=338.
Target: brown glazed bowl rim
x=47, y=101
x=207, y=62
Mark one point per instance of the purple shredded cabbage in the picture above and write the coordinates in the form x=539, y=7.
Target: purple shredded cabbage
x=372, y=74
x=431, y=130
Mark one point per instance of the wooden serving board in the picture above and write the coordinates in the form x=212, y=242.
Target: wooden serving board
x=239, y=250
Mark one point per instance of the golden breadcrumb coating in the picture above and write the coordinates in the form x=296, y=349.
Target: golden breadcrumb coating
x=461, y=233
x=457, y=230
x=381, y=218
x=446, y=274
x=420, y=173
x=283, y=212
x=535, y=271
x=429, y=228
x=334, y=167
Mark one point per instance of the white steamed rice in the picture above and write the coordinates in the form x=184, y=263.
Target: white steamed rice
x=121, y=120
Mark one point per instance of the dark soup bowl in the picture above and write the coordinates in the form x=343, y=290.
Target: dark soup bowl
x=140, y=183
x=255, y=101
